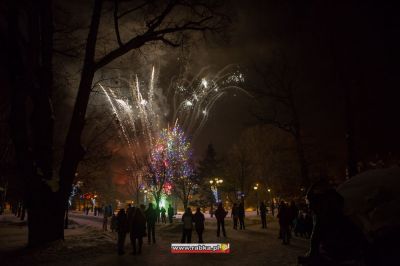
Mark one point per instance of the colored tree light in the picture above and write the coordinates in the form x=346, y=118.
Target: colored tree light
x=170, y=163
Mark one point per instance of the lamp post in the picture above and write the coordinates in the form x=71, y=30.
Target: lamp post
x=145, y=197
x=256, y=190
x=269, y=194
x=214, y=186
x=272, y=202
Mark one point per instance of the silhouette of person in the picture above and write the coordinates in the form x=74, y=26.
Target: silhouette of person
x=170, y=213
x=198, y=219
x=122, y=227
x=187, y=219
x=220, y=214
x=263, y=214
x=138, y=228
x=151, y=218
x=241, y=215
x=235, y=215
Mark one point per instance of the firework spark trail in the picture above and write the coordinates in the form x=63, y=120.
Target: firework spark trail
x=151, y=91
x=128, y=111
x=115, y=111
x=120, y=121
x=194, y=110
x=191, y=101
x=206, y=110
x=145, y=113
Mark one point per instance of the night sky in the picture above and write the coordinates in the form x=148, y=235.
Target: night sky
x=337, y=49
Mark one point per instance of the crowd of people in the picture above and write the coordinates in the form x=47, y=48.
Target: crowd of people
x=292, y=219
x=138, y=222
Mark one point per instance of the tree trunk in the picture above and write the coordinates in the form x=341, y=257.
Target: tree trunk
x=305, y=181
x=185, y=203
x=73, y=151
x=66, y=223
x=351, y=150
x=31, y=78
x=44, y=218
x=23, y=211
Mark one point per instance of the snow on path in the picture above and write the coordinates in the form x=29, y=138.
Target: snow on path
x=86, y=245
x=253, y=246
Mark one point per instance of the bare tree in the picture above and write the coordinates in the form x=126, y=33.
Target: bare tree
x=239, y=171
x=277, y=105
x=29, y=46
x=157, y=180
x=137, y=171
x=184, y=187
x=165, y=21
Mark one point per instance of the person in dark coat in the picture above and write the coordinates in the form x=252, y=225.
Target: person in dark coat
x=299, y=228
x=235, y=215
x=335, y=238
x=113, y=223
x=158, y=213
x=151, y=218
x=241, y=215
x=138, y=228
x=284, y=218
x=105, y=222
x=198, y=219
x=163, y=216
x=220, y=214
x=129, y=214
x=272, y=209
x=170, y=213
x=263, y=214
x=122, y=227
x=308, y=224
x=293, y=214
x=187, y=219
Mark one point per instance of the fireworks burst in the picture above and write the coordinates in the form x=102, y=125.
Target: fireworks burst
x=140, y=116
x=142, y=110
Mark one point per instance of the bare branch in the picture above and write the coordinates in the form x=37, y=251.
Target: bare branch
x=133, y=9
x=64, y=53
x=116, y=23
x=154, y=23
x=167, y=42
x=155, y=33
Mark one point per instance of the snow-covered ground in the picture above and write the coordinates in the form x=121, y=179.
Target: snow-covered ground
x=85, y=244
x=372, y=200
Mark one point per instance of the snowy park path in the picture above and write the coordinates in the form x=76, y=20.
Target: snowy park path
x=253, y=246
x=86, y=245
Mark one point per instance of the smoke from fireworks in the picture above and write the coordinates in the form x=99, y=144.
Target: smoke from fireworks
x=142, y=109
x=139, y=107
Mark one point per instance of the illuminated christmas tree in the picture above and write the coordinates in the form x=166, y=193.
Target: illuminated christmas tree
x=171, y=168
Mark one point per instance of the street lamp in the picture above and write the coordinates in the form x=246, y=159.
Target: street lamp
x=256, y=190
x=271, y=201
x=214, y=186
x=145, y=197
x=269, y=194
